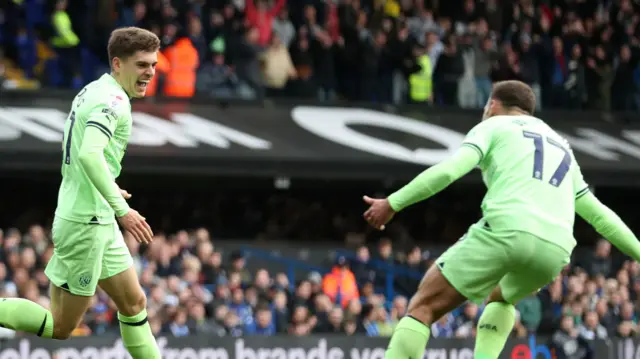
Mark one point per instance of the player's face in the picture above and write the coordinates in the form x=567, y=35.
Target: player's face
x=137, y=71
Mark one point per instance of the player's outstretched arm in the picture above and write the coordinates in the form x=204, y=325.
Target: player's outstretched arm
x=435, y=178
x=92, y=159
x=608, y=224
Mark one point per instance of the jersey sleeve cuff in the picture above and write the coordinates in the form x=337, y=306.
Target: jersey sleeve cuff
x=475, y=147
x=582, y=192
x=122, y=210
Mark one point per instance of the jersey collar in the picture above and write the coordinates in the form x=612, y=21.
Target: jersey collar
x=112, y=79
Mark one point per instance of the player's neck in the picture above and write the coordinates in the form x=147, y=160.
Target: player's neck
x=513, y=112
x=119, y=81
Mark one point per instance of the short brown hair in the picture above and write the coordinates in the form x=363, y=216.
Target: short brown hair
x=126, y=41
x=515, y=94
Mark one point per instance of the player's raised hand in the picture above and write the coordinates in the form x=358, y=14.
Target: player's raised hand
x=125, y=194
x=379, y=212
x=137, y=225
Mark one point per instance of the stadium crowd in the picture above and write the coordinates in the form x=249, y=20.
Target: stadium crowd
x=194, y=288
x=575, y=54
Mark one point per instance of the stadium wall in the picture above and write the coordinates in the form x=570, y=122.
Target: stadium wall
x=298, y=140
x=286, y=347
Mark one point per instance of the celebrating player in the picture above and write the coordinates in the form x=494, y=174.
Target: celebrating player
x=525, y=238
x=89, y=250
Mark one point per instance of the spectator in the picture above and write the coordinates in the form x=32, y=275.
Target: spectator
x=421, y=78
x=324, y=51
x=197, y=37
x=217, y=79
x=408, y=285
x=530, y=310
x=565, y=340
x=277, y=67
x=247, y=65
x=233, y=324
x=336, y=316
x=340, y=284
x=600, y=262
x=280, y=312
x=466, y=323
x=315, y=279
x=624, y=87
x=264, y=324
x=361, y=266
x=600, y=75
x=238, y=265
x=302, y=57
x=575, y=86
x=301, y=323
x=65, y=44
x=507, y=67
x=591, y=329
x=261, y=17
x=530, y=53
x=443, y=328
x=178, y=327
x=447, y=73
x=184, y=61
x=198, y=323
x=485, y=54
x=466, y=94
x=283, y=28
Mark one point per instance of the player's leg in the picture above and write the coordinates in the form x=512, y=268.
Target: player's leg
x=494, y=327
x=120, y=281
x=24, y=315
x=468, y=270
x=73, y=272
x=537, y=263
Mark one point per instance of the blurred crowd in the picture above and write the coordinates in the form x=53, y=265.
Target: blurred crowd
x=574, y=53
x=195, y=288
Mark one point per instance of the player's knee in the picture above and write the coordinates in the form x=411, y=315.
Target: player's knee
x=136, y=304
x=61, y=332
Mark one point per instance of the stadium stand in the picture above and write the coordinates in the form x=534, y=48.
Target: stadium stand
x=574, y=54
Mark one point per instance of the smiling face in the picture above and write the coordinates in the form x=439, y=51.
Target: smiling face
x=133, y=53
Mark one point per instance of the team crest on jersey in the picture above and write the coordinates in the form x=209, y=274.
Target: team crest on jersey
x=84, y=280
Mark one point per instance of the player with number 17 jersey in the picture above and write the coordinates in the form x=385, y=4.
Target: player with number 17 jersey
x=531, y=176
x=525, y=236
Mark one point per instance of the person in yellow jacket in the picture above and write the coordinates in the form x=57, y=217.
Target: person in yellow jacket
x=65, y=43
x=421, y=83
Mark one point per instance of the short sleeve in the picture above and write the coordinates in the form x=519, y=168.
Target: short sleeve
x=106, y=113
x=580, y=186
x=480, y=138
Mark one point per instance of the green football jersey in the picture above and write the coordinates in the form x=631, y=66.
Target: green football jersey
x=104, y=105
x=531, y=175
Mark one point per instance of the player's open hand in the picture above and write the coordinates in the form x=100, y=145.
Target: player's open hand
x=125, y=194
x=137, y=225
x=379, y=212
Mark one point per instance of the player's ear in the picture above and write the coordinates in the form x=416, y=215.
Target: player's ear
x=494, y=106
x=116, y=64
